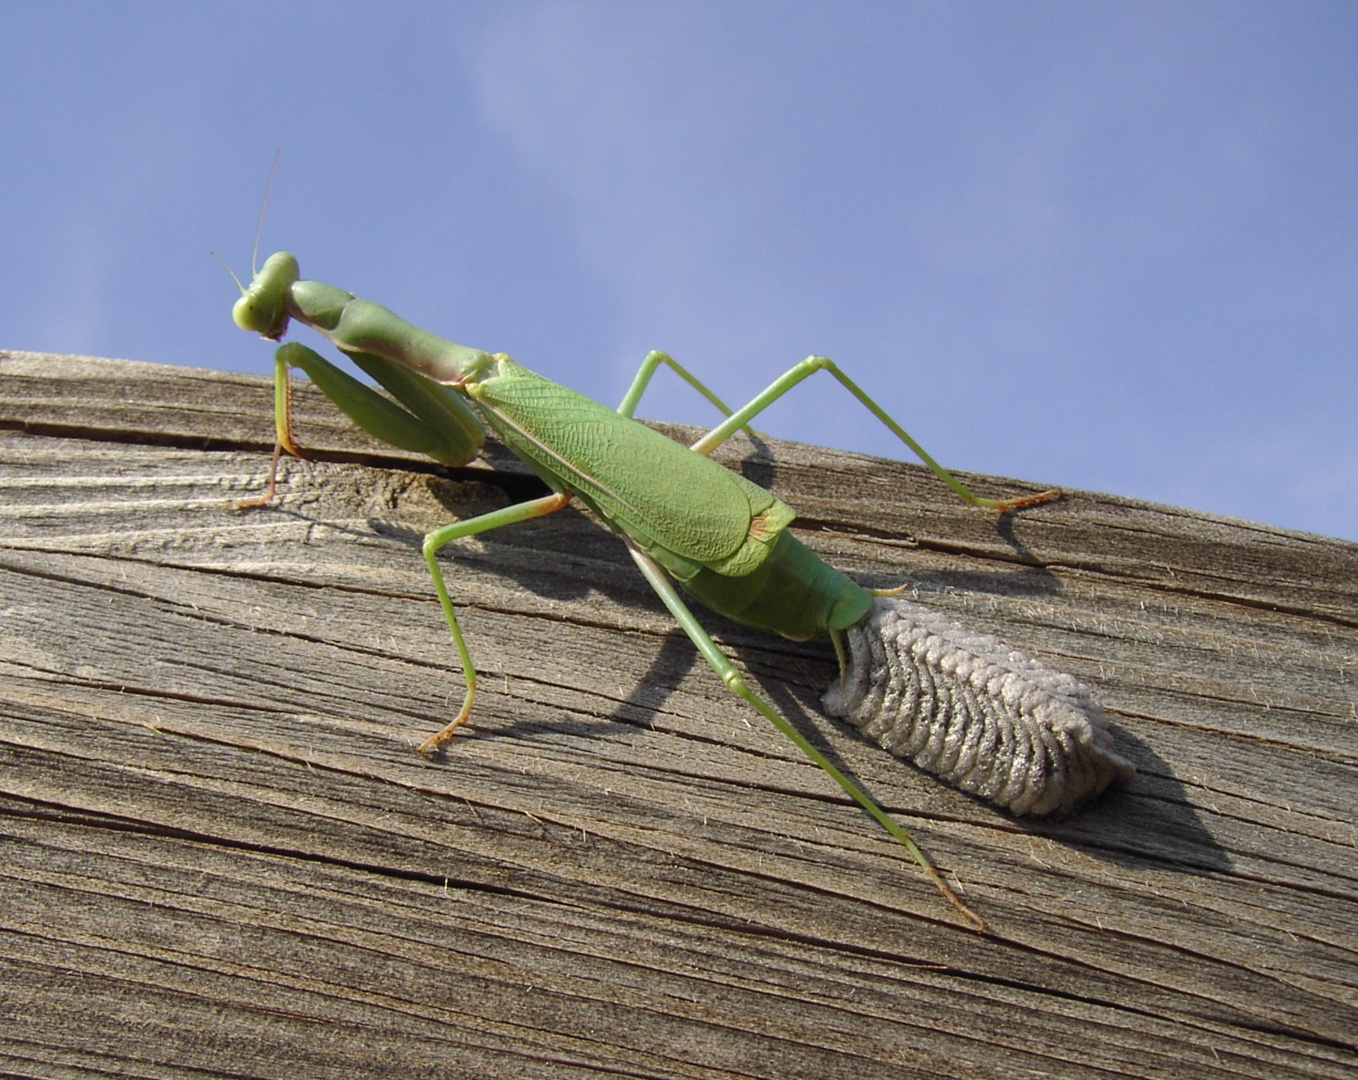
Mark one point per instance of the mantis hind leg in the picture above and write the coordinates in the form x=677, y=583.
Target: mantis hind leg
x=731, y=676
x=808, y=367
x=510, y=515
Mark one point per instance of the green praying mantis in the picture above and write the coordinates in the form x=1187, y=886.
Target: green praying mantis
x=687, y=522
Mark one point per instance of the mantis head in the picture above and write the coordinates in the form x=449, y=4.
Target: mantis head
x=263, y=306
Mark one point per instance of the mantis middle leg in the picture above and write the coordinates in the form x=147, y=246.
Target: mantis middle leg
x=510, y=515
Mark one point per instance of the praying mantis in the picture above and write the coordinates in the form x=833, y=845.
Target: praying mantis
x=687, y=522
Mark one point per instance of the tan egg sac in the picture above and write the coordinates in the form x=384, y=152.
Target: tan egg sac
x=971, y=710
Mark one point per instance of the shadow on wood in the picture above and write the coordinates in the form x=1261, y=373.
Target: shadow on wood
x=222, y=854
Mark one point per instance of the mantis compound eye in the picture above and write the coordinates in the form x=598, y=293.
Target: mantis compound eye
x=974, y=712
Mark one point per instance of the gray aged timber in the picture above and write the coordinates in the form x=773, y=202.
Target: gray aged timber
x=220, y=854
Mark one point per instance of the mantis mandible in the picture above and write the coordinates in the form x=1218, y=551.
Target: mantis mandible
x=687, y=521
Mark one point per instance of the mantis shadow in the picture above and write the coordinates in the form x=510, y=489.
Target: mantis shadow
x=1149, y=824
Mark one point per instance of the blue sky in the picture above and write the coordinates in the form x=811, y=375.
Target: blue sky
x=1100, y=245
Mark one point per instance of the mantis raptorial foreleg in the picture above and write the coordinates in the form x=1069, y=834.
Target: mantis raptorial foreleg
x=435, y=421
x=730, y=675
x=740, y=418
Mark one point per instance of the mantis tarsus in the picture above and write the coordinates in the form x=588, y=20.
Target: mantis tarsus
x=686, y=520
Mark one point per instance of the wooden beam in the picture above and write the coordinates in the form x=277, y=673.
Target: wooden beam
x=220, y=853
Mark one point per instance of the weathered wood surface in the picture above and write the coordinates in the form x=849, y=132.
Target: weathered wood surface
x=222, y=856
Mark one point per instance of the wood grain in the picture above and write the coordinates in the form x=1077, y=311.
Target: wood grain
x=220, y=854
